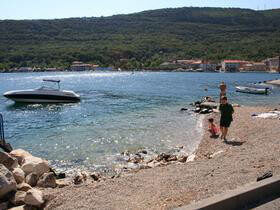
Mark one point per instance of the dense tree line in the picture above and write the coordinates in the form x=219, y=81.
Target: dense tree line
x=142, y=39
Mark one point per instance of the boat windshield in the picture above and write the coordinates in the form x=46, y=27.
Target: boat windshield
x=50, y=84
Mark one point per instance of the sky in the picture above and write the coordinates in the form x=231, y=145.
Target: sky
x=51, y=9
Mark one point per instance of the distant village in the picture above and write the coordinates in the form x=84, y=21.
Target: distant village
x=193, y=65
x=197, y=65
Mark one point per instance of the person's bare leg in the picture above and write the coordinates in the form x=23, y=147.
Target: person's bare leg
x=225, y=133
x=222, y=132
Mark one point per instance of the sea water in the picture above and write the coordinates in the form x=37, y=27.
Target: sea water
x=118, y=111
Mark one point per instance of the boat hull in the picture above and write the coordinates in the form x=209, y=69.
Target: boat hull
x=251, y=90
x=29, y=97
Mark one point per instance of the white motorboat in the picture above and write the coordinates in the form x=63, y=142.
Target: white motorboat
x=252, y=90
x=43, y=94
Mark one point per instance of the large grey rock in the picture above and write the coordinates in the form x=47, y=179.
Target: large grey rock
x=182, y=158
x=135, y=159
x=8, y=161
x=20, y=155
x=23, y=187
x=132, y=166
x=47, y=180
x=18, y=175
x=7, y=182
x=162, y=157
x=172, y=158
x=95, y=176
x=60, y=183
x=25, y=207
x=34, y=197
x=35, y=165
x=85, y=175
x=18, y=198
x=31, y=179
x=18, y=208
x=151, y=164
x=78, y=178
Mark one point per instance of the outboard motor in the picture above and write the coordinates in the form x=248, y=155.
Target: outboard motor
x=266, y=90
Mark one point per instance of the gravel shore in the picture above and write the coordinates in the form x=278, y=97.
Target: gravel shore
x=253, y=149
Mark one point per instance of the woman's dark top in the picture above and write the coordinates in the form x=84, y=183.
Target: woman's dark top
x=226, y=112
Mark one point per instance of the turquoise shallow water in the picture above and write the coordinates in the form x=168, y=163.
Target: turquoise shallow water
x=118, y=112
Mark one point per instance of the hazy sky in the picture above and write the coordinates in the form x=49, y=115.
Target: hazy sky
x=49, y=9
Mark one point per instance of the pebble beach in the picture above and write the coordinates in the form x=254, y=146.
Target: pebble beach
x=252, y=149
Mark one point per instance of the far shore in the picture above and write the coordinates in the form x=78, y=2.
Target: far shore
x=253, y=149
x=133, y=70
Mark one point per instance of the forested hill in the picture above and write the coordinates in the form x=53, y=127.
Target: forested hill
x=145, y=39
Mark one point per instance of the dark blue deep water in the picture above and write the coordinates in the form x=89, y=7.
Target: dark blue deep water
x=118, y=112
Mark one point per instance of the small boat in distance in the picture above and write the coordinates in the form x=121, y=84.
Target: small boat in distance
x=252, y=90
x=43, y=94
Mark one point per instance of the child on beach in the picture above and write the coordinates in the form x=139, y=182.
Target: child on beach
x=214, y=130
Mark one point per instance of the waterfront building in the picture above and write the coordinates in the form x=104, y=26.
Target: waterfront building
x=273, y=64
x=104, y=69
x=80, y=66
x=191, y=64
x=185, y=63
x=231, y=65
x=209, y=66
x=25, y=69
x=196, y=65
x=254, y=66
x=53, y=69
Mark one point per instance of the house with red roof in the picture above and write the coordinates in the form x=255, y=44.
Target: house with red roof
x=80, y=66
x=232, y=65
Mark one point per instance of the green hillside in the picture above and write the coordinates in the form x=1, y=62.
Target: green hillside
x=146, y=38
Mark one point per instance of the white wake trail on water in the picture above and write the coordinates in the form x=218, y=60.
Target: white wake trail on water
x=66, y=75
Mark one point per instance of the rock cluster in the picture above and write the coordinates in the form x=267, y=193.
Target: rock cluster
x=144, y=160
x=19, y=173
x=133, y=162
x=82, y=177
x=203, y=108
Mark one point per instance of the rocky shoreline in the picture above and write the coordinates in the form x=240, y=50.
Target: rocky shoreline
x=23, y=176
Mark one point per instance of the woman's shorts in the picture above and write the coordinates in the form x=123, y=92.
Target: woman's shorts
x=225, y=123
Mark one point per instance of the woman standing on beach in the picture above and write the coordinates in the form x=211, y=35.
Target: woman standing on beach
x=226, y=110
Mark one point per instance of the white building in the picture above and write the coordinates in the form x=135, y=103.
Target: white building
x=208, y=66
x=273, y=64
x=231, y=65
x=80, y=66
x=25, y=69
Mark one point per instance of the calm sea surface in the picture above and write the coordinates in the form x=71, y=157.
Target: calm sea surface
x=118, y=112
